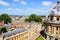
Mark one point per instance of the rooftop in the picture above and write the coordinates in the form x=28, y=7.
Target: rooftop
x=13, y=32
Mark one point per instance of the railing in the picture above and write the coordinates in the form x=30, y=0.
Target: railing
x=49, y=34
x=53, y=21
x=55, y=36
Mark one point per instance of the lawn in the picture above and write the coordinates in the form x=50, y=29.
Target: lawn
x=39, y=38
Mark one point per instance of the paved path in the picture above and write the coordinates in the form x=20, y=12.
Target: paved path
x=34, y=36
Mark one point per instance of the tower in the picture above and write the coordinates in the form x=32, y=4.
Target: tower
x=52, y=24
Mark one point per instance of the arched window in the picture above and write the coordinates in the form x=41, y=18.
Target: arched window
x=57, y=18
x=51, y=18
x=56, y=39
x=56, y=28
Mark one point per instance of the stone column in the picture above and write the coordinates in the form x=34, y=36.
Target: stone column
x=54, y=30
x=53, y=38
x=14, y=38
x=11, y=39
x=49, y=29
x=59, y=30
x=19, y=37
x=47, y=38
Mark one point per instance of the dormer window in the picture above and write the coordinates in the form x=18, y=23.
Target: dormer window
x=51, y=18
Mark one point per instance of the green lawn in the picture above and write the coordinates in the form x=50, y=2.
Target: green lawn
x=40, y=38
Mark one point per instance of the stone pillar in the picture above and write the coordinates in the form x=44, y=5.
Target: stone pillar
x=11, y=39
x=59, y=30
x=19, y=37
x=54, y=30
x=14, y=38
x=47, y=38
x=49, y=29
x=53, y=38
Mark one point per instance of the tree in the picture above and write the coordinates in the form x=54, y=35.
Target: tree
x=26, y=20
x=6, y=18
x=3, y=29
x=38, y=19
x=35, y=18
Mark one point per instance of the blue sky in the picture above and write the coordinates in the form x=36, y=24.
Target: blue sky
x=26, y=7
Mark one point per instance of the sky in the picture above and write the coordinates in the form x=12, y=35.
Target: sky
x=26, y=7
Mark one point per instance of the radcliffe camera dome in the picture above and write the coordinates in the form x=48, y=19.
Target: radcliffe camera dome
x=58, y=1
x=52, y=23
x=56, y=9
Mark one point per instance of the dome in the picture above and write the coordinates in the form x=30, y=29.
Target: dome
x=56, y=9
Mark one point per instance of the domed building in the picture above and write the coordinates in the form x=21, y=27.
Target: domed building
x=52, y=23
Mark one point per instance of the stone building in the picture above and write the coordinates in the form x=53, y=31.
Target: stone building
x=52, y=23
x=21, y=33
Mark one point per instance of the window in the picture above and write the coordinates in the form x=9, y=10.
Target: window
x=57, y=19
x=56, y=33
x=51, y=30
x=56, y=28
x=51, y=18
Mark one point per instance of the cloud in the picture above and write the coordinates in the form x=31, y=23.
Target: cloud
x=16, y=0
x=36, y=11
x=3, y=3
x=47, y=3
x=27, y=11
x=23, y=3
x=12, y=11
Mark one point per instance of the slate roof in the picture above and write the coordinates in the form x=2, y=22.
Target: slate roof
x=16, y=31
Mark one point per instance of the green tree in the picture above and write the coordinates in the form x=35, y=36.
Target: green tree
x=6, y=18
x=38, y=19
x=3, y=29
x=26, y=20
x=35, y=18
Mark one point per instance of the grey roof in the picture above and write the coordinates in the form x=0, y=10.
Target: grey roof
x=13, y=32
x=7, y=26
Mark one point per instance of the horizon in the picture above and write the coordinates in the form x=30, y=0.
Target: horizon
x=25, y=7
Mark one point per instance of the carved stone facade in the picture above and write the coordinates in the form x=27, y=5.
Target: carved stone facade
x=52, y=24
x=22, y=33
